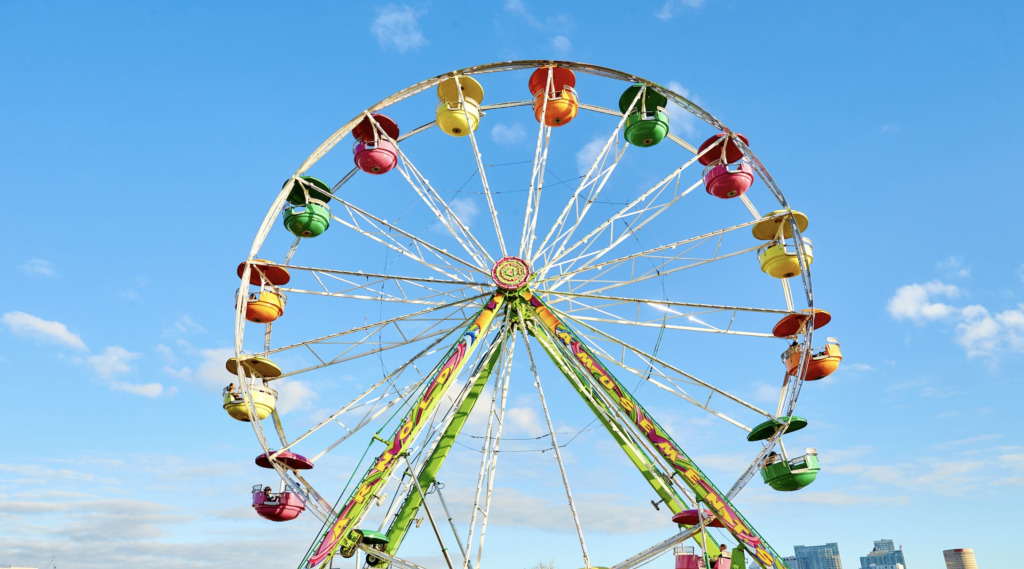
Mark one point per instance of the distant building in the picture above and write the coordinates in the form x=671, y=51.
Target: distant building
x=884, y=556
x=959, y=559
x=818, y=556
x=793, y=562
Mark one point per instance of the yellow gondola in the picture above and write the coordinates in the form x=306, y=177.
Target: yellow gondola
x=458, y=109
x=781, y=262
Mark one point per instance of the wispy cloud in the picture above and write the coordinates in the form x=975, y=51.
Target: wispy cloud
x=954, y=266
x=211, y=372
x=50, y=331
x=680, y=118
x=968, y=441
x=586, y=155
x=39, y=267
x=765, y=393
x=525, y=420
x=143, y=389
x=140, y=282
x=518, y=8
x=466, y=209
x=832, y=498
x=508, y=134
x=561, y=45
x=293, y=395
x=184, y=325
x=398, y=27
x=671, y=8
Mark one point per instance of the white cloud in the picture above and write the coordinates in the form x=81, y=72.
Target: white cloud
x=889, y=129
x=39, y=267
x=913, y=302
x=978, y=330
x=113, y=361
x=672, y=7
x=586, y=155
x=983, y=334
x=398, y=27
x=23, y=324
x=504, y=134
x=561, y=45
x=293, y=395
x=680, y=118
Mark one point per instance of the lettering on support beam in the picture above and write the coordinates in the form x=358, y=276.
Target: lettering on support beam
x=673, y=454
x=668, y=451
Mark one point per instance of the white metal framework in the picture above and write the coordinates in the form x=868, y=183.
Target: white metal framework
x=658, y=278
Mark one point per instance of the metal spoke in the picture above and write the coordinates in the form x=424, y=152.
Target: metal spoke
x=385, y=238
x=602, y=312
x=675, y=389
x=638, y=221
x=449, y=219
x=564, y=273
x=540, y=157
x=584, y=183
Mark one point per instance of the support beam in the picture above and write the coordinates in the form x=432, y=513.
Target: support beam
x=441, y=379
x=702, y=487
x=428, y=471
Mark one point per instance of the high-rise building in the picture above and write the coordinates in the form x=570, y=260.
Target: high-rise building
x=884, y=556
x=959, y=559
x=818, y=556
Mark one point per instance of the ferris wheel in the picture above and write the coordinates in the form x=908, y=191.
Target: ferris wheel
x=453, y=285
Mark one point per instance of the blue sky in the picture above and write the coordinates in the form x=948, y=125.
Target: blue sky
x=144, y=143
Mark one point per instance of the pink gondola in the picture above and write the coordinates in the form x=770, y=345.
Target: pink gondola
x=276, y=506
x=726, y=182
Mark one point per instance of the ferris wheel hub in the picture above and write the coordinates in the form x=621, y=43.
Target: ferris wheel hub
x=510, y=273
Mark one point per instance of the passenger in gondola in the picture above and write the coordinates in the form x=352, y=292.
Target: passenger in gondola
x=793, y=348
x=232, y=390
x=724, y=557
x=268, y=494
x=772, y=458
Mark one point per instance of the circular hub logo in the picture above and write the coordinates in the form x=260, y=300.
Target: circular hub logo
x=510, y=273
